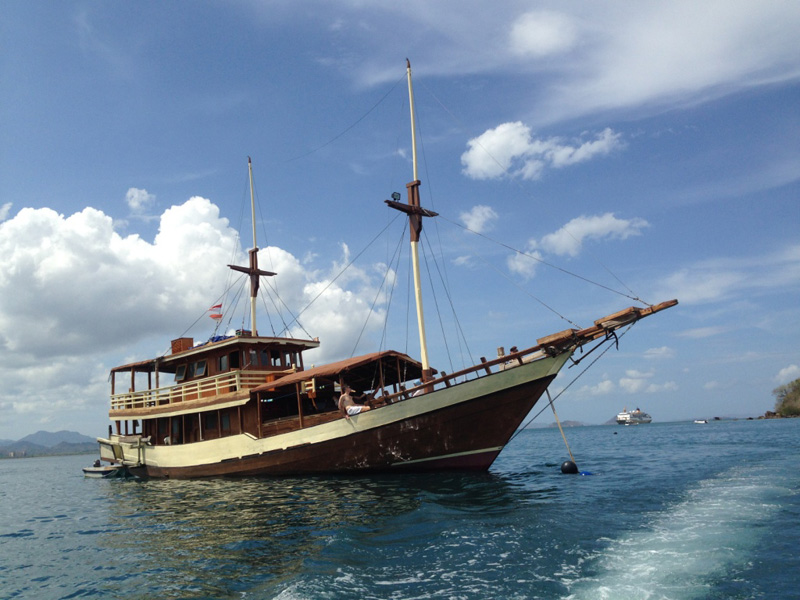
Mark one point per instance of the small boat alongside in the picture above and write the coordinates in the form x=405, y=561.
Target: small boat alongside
x=635, y=417
x=100, y=471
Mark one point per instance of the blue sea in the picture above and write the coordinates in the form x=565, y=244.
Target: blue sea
x=673, y=510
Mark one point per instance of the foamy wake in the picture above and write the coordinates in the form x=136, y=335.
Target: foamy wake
x=678, y=554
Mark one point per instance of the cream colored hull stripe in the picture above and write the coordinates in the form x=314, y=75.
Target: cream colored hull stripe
x=447, y=456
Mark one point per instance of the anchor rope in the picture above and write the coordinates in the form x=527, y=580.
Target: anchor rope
x=578, y=376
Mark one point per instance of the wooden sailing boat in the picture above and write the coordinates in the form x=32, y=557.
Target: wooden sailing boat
x=245, y=404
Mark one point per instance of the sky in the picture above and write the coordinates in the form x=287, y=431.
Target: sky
x=583, y=157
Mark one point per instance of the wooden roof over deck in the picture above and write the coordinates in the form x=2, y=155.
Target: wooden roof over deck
x=360, y=372
x=162, y=363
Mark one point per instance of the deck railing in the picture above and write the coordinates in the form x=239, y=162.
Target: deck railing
x=208, y=387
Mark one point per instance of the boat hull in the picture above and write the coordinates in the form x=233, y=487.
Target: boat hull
x=462, y=427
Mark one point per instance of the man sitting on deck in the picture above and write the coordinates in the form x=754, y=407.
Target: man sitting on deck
x=347, y=405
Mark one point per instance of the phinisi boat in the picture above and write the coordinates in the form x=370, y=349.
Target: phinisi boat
x=245, y=404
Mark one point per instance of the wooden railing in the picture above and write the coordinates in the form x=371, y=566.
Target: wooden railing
x=208, y=387
x=550, y=345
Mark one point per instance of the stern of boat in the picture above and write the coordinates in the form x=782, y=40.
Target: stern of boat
x=127, y=451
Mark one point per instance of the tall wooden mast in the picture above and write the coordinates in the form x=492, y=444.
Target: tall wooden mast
x=415, y=213
x=253, y=271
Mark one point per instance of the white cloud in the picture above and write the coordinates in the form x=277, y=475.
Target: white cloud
x=524, y=264
x=542, y=33
x=603, y=388
x=4, y=211
x=569, y=239
x=667, y=386
x=654, y=53
x=702, y=332
x=78, y=285
x=599, y=56
x=633, y=373
x=83, y=293
x=724, y=278
x=659, y=353
x=637, y=382
x=788, y=374
x=510, y=149
x=139, y=200
x=479, y=218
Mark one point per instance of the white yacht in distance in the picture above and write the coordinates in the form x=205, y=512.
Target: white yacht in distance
x=633, y=418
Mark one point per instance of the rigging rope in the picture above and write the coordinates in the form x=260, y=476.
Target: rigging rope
x=544, y=262
x=519, y=287
x=347, y=266
x=377, y=295
x=458, y=121
x=361, y=118
x=578, y=376
x=558, y=422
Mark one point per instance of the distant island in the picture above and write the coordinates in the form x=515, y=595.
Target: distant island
x=787, y=401
x=46, y=443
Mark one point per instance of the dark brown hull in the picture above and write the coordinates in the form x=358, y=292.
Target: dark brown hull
x=466, y=436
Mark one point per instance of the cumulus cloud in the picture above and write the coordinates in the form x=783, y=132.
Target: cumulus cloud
x=603, y=388
x=510, y=149
x=638, y=382
x=633, y=382
x=788, y=374
x=479, y=218
x=75, y=294
x=5, y=209
x=524, y=264
x=139, y=201
x=569, y=240
x=77, y=284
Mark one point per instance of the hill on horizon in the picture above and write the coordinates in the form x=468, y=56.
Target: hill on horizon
x=49, y=439
x=44, y=443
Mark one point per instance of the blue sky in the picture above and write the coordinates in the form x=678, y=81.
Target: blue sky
x=649, y=147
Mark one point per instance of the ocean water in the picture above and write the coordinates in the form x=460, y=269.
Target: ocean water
x=672, y=510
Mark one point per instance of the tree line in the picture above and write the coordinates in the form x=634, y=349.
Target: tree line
x=787, y=399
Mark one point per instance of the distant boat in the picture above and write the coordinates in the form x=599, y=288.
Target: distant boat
x=635, y=417
x=701, y=421
x=246, y=404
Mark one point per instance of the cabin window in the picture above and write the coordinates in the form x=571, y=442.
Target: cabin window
x=253, y=358
x=180, y=374
x=223, y=363
x=265, y=358
x=276, y=358
x=210, y=421
x=226, y=422
x=176, y=430
x=234, y=360
x=200, y=369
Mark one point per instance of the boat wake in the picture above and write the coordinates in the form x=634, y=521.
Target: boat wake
x=687, y=551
